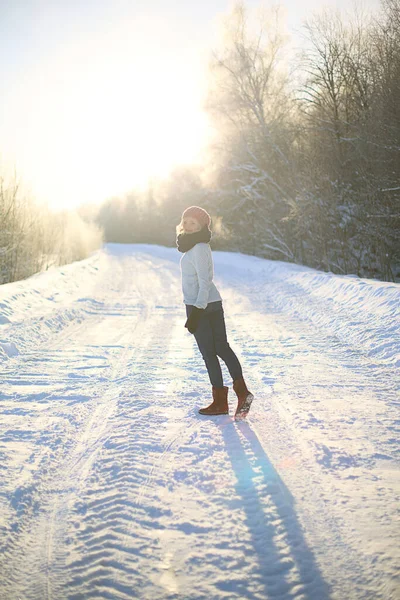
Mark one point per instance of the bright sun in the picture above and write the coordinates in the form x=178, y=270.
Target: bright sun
x=105, y=115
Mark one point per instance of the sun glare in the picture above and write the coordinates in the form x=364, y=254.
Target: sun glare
x=105, y=116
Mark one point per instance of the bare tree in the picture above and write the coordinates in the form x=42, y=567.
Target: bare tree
x=33, y=238
x=311, y=176
x=250, y=107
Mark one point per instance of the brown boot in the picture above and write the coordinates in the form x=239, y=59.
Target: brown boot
x=245, y=398
x=219, y=405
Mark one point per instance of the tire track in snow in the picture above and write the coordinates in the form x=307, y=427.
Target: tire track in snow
x=43, y=449
x=159, y=466
x=95, y=436
x=36, y=529
x=118, y=445
x=104, y=540
x=32, y=545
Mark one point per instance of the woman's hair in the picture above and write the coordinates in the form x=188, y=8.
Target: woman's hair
x=179, y=228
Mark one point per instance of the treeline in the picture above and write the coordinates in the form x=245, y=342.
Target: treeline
x=306, y=163
x=151, y=216
x=33, y=238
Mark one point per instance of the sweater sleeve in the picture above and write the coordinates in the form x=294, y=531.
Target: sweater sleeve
x=202, y=260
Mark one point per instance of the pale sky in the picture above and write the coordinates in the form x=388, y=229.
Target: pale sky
x=96, y=96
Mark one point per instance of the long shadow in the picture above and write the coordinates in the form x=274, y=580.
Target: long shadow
x=275, y=563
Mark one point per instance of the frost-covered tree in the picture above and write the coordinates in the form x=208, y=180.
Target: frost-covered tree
x=32, y=238
x=250, y=107
x=350, y=104
x=310, y=172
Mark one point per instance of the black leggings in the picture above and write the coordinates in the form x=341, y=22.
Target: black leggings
x=212, y=342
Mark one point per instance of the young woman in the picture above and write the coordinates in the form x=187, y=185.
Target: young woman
x=205, y=314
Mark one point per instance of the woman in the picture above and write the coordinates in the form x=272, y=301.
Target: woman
x=205, y=314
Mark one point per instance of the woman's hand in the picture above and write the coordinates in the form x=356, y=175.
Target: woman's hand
x=194, y=319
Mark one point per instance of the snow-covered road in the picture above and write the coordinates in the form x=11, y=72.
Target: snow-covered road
x=112, y=486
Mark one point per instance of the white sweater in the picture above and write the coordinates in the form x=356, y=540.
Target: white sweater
x=197, y=276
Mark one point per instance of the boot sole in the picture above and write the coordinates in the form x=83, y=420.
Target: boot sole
x=213, y=414
x=242, y=413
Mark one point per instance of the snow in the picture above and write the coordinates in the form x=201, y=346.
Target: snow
x=112, y=486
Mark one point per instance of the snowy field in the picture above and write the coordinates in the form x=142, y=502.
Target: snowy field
x=112, y=486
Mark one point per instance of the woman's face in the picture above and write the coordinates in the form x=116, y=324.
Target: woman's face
x=190, y=225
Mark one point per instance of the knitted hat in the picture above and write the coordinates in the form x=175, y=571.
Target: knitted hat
x=197, y=213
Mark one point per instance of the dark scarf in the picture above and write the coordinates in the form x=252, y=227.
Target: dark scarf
x=186, y=241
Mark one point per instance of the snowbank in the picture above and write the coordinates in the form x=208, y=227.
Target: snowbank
x=32, y=309
x=363, y=313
